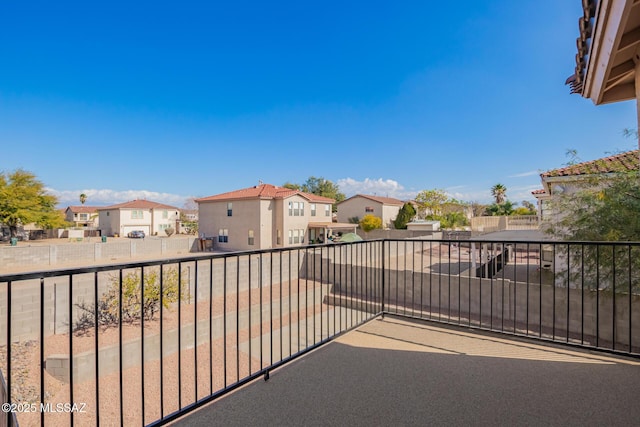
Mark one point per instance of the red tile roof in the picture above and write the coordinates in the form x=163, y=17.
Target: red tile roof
x=383, y=200
x=82, y=209
x=623, y=162
x=264, y=191
x=540, y=191
x=138, y=204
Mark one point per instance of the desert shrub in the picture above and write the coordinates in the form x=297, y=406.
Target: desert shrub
x=370, y=222
x=134, y=305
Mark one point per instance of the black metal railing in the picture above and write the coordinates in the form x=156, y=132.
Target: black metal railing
x=143, y=343
x=579, y=293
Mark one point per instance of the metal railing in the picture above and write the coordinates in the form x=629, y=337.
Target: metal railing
x=143, y=343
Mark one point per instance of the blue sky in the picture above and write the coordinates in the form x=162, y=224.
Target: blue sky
x=169, y=100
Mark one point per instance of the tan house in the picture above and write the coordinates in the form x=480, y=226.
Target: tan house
x=570, y=179
x=360, y=205
x=144, y=215
x=82, y=216
x=264, y=216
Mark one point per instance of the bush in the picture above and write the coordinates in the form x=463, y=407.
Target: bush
x=132, y=306
x=405, y=215
x=370, y=222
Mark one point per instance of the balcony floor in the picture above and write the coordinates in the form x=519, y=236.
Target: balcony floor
x=398, y=372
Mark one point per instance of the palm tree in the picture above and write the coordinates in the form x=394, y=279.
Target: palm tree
x=499, y=192
x=83, y=198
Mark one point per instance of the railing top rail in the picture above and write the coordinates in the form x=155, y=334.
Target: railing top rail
x=204, y=257
x=164, y=261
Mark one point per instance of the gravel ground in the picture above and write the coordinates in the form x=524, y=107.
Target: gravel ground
x=176, y=386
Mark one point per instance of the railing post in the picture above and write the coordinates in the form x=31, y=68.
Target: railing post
x=383, y=275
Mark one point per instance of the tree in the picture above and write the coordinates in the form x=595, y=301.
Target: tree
x=499, y=192
x=500, y=209
x=23, y=200
x=370, y=222
x=603, y=208
x=320, y=187
x=83, y=198
x=530, y=206
x=430, y=201
x=405, y=215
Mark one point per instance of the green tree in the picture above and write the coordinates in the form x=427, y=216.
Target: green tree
x=500, y=209
x=370, y=222
x=83, y=198
x=320, y=187
x=499, y=193
x=603, y=208
x=405, y=215
x=530, y=206
x=23, y=200
x=430, y=202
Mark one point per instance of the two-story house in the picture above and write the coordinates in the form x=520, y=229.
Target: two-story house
x=360, y=205
x=82, y=216
x=144, y=215
x=264, y=216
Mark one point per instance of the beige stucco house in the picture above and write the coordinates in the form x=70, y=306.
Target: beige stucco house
x=264, y=216
x=82, y=216
x=360, y=205
x=145, y=215
x=569, y=179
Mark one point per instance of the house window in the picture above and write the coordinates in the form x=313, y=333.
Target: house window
x=290, y=208
x=107, y=213
x=223, y=235
x=313, y=209
x=83, y=216
x=368, y=209
x=327, y=210
x=296, y=236
x=165, y=214
x=251, y=239
x=229, y=209
x=278, y=237
x=301, y=208
x=136, y=214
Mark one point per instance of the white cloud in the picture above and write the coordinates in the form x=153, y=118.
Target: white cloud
x=106, y=197
x=524, y=174
x=378, y=187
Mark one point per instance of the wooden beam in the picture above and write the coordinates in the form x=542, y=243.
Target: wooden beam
x=618, y=93
x=622, y=69
x=630, y=39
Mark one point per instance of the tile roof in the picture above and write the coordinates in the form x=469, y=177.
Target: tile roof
x=82, y=209
x=540, y=191
x=264, y=191
x=623, y=162
x=383, y=200
x=138, y=204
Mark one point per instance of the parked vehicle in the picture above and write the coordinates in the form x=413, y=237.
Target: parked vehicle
x=136, y=234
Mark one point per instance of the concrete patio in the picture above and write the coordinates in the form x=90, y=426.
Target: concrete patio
x=399, y=372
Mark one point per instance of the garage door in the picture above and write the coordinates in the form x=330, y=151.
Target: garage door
x=127, y=228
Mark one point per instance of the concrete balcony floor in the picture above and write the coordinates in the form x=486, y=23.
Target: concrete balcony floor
x=399, y=372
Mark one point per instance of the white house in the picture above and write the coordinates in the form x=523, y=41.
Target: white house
x=145, y=215
x=360, y=205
